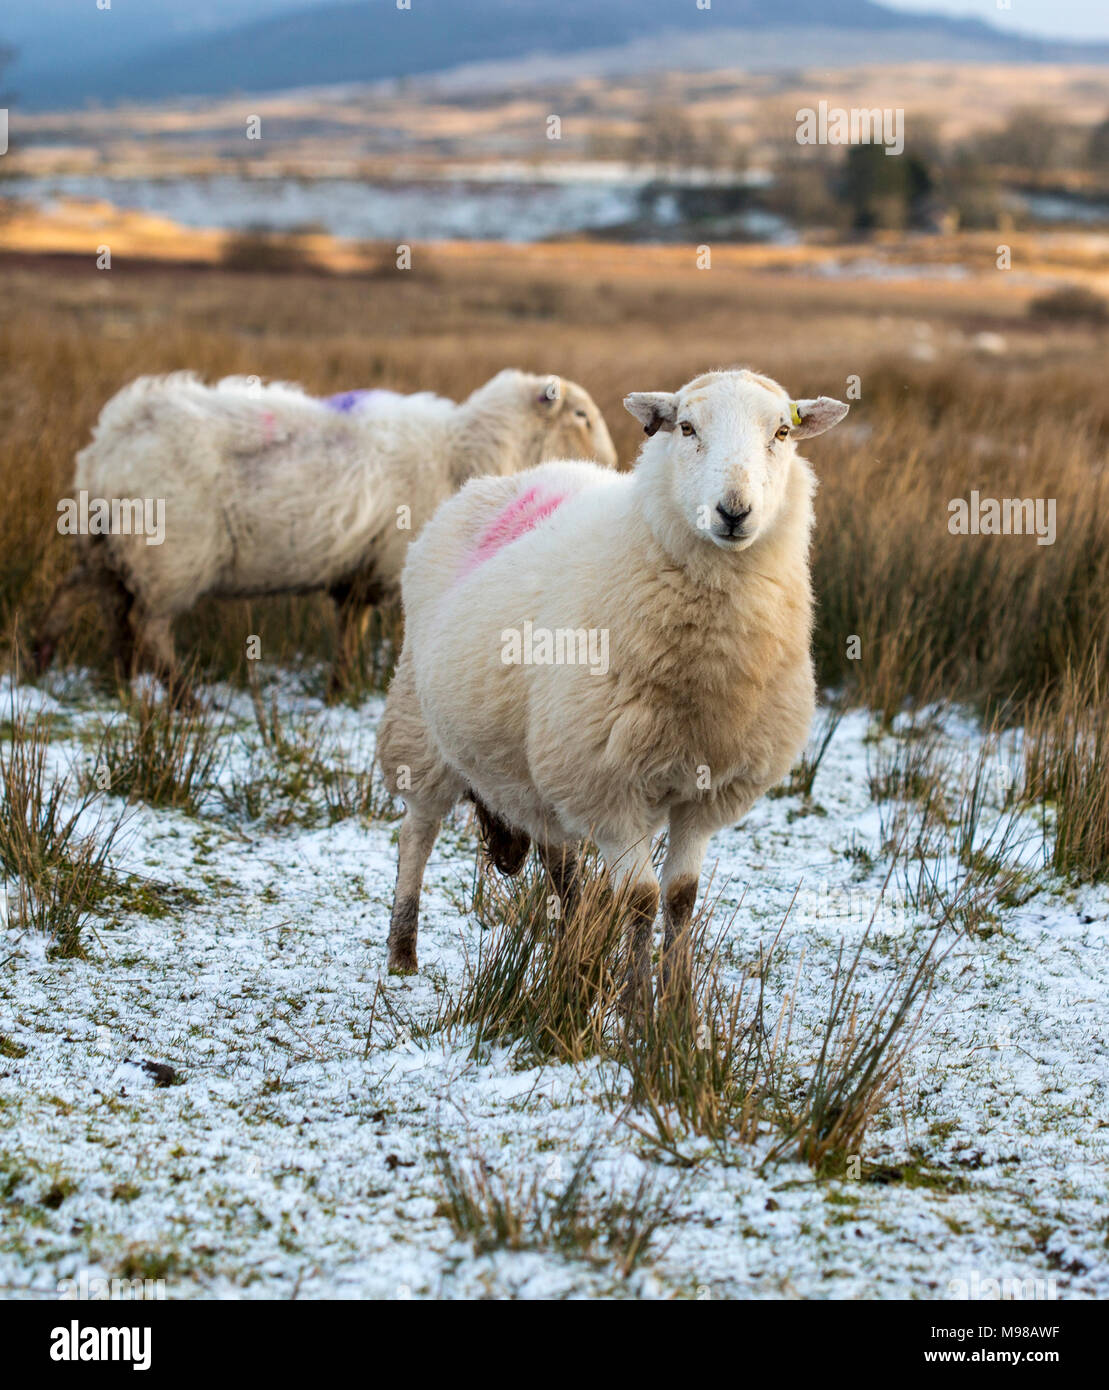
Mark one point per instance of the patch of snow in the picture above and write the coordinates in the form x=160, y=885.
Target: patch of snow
x=295, y=1151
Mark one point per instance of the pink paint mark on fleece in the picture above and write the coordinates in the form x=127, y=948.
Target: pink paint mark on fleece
x=519, y=517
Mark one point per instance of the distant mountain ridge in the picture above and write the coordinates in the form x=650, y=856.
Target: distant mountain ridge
x=374, y=40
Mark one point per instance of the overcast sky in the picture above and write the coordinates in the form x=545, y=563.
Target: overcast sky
x=1072, y=19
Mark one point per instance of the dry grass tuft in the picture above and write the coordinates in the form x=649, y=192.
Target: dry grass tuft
x=704, y=1061
x=862, y=1047
x=59, y=867
x=1066, y=772
x=494, y=1212
x=160, y=752
x=549, y=984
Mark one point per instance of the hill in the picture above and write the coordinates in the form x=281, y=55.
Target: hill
x=355, y=43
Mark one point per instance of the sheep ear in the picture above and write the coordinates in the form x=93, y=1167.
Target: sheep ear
x=814, y=417
x=655, y=410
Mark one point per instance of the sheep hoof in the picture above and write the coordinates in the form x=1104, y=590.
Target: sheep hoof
x=402, y=963
x=635, y=1003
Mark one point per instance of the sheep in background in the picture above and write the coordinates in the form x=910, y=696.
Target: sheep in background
x=268, y=490
x=694, y=569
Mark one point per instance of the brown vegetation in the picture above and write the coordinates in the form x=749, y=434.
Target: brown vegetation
x=942, y=411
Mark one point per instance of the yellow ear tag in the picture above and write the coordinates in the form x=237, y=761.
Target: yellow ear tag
x=794, y=413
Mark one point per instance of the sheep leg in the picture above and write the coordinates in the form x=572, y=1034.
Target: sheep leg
x=154, y=646
x=631, y=873
x=681, y=872
x=563, y=868
x=412, y=769
x=417, y=838
x=116, y=602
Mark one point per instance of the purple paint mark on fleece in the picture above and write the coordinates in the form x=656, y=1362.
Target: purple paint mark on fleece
x=520, y=516
x=346, y=401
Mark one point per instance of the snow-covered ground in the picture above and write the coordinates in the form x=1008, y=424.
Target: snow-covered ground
x=294, y=1155
x=428, y=210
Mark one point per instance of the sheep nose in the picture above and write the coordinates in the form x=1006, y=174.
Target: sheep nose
x=732, y=520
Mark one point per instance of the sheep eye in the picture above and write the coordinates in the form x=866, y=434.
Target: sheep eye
x=782, y=432
x=687, y=429
x=583, y=415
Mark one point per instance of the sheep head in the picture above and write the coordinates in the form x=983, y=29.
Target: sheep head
x=723, y=451
x=573, y=427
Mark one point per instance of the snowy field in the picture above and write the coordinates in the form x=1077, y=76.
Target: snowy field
x=428, y=211
x=294, y=1151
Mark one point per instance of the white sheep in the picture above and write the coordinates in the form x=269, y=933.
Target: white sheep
x=668, y=617
x=267, y=490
